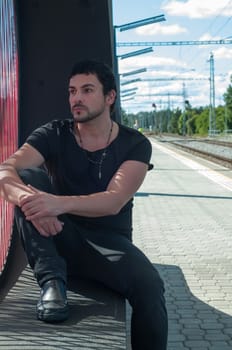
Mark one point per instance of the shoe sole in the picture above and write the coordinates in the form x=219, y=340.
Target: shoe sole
x=53, y=316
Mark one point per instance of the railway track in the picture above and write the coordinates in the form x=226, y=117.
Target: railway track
x=217, y=151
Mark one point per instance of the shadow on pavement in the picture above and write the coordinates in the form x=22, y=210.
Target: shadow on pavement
x=97, y=315
x=97, y=319
x=193, y=324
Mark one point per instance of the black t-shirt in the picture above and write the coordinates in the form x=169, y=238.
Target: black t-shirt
x=76, y=172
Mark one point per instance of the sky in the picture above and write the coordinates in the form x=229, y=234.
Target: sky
x=183, y=70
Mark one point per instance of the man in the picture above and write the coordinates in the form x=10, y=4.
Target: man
x=74, y=216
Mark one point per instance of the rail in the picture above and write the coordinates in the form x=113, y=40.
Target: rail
x=218, y=151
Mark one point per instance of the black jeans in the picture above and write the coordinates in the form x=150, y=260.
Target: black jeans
x=106, y=257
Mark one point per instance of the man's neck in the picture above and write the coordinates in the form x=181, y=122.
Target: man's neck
x=93, y=136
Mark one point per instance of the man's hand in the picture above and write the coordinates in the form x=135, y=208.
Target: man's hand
x=40, y=208
x=48, y=226
x=39, y=204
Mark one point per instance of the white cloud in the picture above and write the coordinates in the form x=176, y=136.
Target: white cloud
x=197, y=87
x=198, y=8
x=132, y=63
x=223, y=53
x=161, y=29
x=208, y=36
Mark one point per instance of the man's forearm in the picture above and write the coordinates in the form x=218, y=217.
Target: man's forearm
x=11, y=186
x=94, y=205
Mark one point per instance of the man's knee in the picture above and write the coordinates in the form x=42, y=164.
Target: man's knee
x=36, y=177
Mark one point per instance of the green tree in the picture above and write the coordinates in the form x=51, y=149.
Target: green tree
x=202, y=122
x=124, y=117
x=220, y=118
x=174, y=121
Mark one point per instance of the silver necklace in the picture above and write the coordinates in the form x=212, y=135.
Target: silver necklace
x=104, y=152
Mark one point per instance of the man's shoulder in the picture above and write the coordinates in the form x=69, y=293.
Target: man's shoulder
x=50, y=129
x=130, y=131
x=61, y=123
x=132, y=134
x=55, y=126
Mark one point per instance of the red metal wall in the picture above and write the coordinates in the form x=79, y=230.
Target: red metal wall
x=8, y=111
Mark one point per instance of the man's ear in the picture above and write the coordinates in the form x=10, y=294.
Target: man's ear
x=110, y=98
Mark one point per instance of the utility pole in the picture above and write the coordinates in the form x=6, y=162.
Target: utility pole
x=168, y=114
x=212, y=119
x=184, y=111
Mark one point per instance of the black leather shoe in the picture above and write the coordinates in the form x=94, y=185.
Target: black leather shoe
x=52, y=305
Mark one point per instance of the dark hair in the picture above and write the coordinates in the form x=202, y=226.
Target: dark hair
x=100, y=69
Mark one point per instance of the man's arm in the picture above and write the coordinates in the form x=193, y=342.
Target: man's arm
x=12, y=188
x=120, y=190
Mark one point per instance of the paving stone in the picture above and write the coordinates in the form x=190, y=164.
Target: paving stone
x=182, y=221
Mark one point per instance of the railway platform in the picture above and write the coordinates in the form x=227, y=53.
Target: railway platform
x=183, y=223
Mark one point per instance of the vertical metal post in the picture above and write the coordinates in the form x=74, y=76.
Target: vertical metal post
x=117, y=109
x=212, y=121
x=168, y=114
x=184, y=111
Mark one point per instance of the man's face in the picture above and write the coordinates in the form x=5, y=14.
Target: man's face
x=86, y=98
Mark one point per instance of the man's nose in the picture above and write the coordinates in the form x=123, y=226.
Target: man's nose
x=77, y=97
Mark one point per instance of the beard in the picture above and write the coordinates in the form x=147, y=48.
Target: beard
x=85, y=115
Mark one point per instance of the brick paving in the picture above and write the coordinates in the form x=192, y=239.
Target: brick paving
x=183, y=222
x=96, y=320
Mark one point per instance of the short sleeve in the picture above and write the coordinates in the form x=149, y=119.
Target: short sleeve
x=43, y=139
x=141, y=151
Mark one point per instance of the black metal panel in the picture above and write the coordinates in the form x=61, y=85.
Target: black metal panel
x=53, y=34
